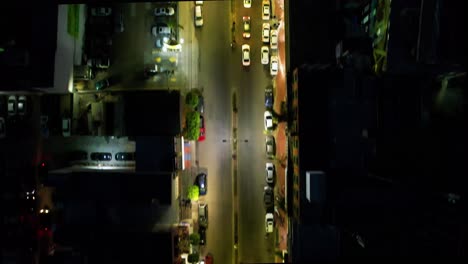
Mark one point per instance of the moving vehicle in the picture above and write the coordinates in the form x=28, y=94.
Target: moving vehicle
x=246, y=55
x=266, y=10
x=265, y=32
x=270, y=172
x=202, y=135
x=269, y=97
x=268, y=119
x=270, y=146
x=274, y=39
x=164, y=11
x=265, y=53
x=268, y=197
x=201, y=182
x=274, y=65
x=198, y=16
x=125, y=156
x=269, y=223
x=101, y=156
x=246, y=20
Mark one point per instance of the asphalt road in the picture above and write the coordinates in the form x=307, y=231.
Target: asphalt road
x=214, y=77
x=220, y=74
x=253, y=246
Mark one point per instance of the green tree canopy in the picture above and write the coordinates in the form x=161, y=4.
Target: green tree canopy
x=194, y=257
x=194, y=239
x=192, y=131
x=191, y=99
x=193, y=193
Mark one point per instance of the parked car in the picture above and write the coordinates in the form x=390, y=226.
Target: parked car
x=125, y=156
x=208, y=259
x=268, y=119
x=22, y=105
x=268, y=197
x=246, y=55
x=265, y=53
x=202, y=135
x=2, y=127
x=266, y=9
x=247, y=3
x=274, y=65
x=201, y=182
x=198, y=16
x=78, y=155
x=269, y=97
x=66, y=127
x=201, y=105
x=203, y=214
x=274, y=39
x=246, y=20
x=160, y=29
x=265, y=32
x=12, y=105
x=269, y=223
x=164, y=11
x=102, y=84
x=101, y=11
x=270, y=146
x=202, y=233
x=270, y=172
x=101, y=156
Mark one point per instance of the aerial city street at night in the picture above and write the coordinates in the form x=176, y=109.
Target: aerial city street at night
x=233, y=131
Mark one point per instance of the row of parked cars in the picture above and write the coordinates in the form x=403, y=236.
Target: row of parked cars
x=101, y=156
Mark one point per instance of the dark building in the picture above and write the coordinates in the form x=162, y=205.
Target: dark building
x=153, y=113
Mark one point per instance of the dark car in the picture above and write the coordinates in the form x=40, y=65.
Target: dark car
x=102, y=84
x=202, y=233
x=125, y=156
x=78, y=155
x=201, y=105
x=270, y=146
x=269, y=97
x=268, y=196
x=201, y=182
x=101, y=156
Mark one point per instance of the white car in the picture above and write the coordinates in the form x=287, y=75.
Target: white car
x=265, y=52
x=164, y=11
x=198, y=16
x=274, y=65
x=268, y=118
x=269, y=223
x=246, y=20
x=266, y=10
x=246, y=55
x=22, y=105
x=247, y=3
x=274, y=39
x=266, y=32
x=270, y=172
